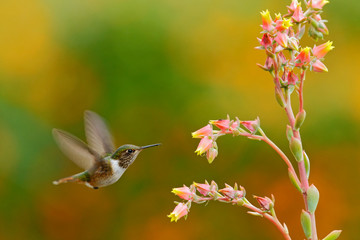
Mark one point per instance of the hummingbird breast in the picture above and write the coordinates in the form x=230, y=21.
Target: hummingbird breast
x=107, y=175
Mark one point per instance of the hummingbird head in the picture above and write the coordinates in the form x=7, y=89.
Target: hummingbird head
x=126, y=154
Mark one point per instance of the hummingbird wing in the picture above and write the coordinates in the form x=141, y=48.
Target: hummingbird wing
x=97, y=134
x=75, y=149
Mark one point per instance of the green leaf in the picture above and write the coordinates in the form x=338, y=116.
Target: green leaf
x=333, y=235
x=306, y=223
x=313, y=196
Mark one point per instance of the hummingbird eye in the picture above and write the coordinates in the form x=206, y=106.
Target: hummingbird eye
x=130, y=150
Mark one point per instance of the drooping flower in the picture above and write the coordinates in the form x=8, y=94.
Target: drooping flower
x=281, y=39
x=266, y=20
x=211, y=154
x=202, y=132
x=303, y=58
x=180, y=211
x=318, y=66
x=204, y=145
x=321, y=50
x=183, y=192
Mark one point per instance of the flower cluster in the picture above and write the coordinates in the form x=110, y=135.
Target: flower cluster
x=208, y=135
x=206, y=192
x=281, y=38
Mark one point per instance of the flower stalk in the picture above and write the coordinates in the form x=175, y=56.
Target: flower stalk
x=287, y=62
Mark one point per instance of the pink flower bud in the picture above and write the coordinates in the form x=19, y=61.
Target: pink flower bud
x=252, y=126
x=292, y=78
x=202, y=132
x=211, y=154
x=293, y=5
x=266, y=21
x=268, y=64
x=183, y=192
x=318, y=66
x=235, y=124
x=203, y=188
x=298, y=15
x=293, y=43
x=180, y=211
x=266, y=40
x=204, y=145
x=281, y=39
x=304, y=57
x=321, y=50
x=231, y=192
x=282, y=58
x=265, y=203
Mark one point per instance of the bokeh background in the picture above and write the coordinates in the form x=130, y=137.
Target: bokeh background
x=157, y=70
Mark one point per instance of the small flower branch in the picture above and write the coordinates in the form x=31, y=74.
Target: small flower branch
x=234, y=195
x=287, y=62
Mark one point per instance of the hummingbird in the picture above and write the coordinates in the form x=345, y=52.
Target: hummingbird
x=103, y=164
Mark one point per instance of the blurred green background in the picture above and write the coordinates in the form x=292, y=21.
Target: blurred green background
x=157, y=70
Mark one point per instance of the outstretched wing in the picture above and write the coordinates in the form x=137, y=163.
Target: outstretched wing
x=97, y=134
x=75, y=149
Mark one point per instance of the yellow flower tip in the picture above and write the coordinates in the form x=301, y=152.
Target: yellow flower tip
x=305, y=50
x=265, y=13
x=287, y=23
x=329, y=45
x=173, y=217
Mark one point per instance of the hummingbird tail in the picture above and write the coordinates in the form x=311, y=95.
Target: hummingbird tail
x=65, y=180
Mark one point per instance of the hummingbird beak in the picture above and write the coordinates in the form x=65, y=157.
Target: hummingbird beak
x=148, y=146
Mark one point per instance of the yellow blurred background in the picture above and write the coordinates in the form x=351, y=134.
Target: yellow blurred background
x=157, y=70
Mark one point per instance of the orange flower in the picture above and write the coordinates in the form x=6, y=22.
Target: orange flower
x=284, y=24
x=303, y=57
x=266, y=20
x=321, y=50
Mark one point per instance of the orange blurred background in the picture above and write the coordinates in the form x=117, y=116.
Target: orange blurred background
x=158, y=70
